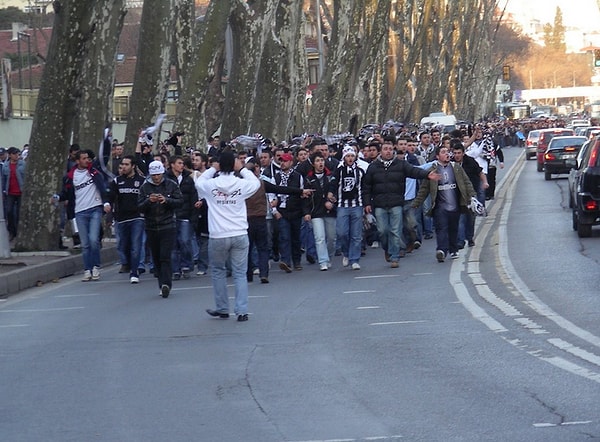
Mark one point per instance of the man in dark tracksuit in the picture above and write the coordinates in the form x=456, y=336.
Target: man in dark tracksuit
x=158, y=200
x=123, y=193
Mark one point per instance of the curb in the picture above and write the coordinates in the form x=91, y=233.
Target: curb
x=34, y=275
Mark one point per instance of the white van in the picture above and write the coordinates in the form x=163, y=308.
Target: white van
x=440, y=119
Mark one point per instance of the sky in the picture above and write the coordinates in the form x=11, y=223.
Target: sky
x=580, y=13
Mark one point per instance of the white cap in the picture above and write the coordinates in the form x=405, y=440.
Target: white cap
x=348, y=150
x=156, y=168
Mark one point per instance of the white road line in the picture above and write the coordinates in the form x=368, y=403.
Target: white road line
x=359, y=291
x=485, y=292
x=368, y=438
x=82, y=295
x=562, y=424
x=396, y=322
x=368, y=307
x=14, y=325
x=42, y=310
x=201, y=287
x=532, y=326
x=423, y=274
x=377, y=276
x=579, y=352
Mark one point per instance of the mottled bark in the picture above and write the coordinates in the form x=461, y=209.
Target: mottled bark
x=205, y=67
x=279, y=104
x=152, y=70
x=366, y=91
x=329, y=98
x=97, y=78
x=250, y=22
x=53, y=123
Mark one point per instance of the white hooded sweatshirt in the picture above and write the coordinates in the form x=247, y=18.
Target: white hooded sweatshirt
x=226, y=198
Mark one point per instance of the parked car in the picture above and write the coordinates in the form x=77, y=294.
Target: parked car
x=545, y=136
x=531, y=144
x=586, y=199
x=575, y=171
x=561, y=155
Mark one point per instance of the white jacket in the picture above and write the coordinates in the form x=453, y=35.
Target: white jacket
x=226, y=198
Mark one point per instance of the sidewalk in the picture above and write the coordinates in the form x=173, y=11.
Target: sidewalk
x=29, y=269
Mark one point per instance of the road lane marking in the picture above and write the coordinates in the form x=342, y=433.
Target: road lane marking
x=562, y=424
x=81, y=295
x=574, y=350
x=358, y=291
x=368, y=438
x=397, y=322
x=377, y=276
x=532, y=326
x=368, y=307
x=14, y=325
x=42, y=310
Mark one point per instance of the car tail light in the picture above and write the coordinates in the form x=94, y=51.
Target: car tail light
x=593, y=156
x=591, y=205
x=570, y=149
x=549, y=156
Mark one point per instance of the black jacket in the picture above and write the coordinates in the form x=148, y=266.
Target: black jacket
x=319, y=196
x=159, y=216
x=123, y=193
x=291, y=206
x=189, y=193
x=384, y=186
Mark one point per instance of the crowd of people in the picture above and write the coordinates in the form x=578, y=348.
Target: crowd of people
x=235, y=208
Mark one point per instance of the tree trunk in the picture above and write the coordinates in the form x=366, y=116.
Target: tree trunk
x=206, y=63
x=152, y=70
x=250, y=22
x=97, y=79
x=279, y=103
x=330, y=95
x=53, y=123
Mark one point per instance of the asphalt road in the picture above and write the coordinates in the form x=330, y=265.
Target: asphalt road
x=499, y=345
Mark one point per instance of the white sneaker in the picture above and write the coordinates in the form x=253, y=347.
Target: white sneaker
x=256, y=271
x=345, y=261
x=95, y=273
x=355, y=266
x=87, y=276
x=134, y=280
x=375, y=245
x=201, y=272
x=323, y=267
x=454, y=255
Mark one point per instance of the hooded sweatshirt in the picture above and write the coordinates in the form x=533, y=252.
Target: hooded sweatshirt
x=226, y=196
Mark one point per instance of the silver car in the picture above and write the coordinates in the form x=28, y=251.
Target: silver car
x=531, y=144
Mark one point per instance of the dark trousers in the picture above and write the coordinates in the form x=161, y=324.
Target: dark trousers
x=289, y=240
x=491, y=177
x=13, y=207
x=446, y=229
x=161, y=243
x=258, y=234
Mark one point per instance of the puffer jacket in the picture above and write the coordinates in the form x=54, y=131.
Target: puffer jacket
x=159, y=216
x=384, y=186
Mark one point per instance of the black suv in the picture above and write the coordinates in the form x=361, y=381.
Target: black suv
x=586, y=191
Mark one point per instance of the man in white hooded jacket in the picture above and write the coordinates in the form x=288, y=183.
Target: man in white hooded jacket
x=225, y=196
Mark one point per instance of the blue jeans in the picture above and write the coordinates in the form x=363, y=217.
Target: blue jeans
x=181, y=256
x=324, y=233
x=466, y=227
x=427, y=220
x=389, y=226
x=234, y=249
x=88, y=224
x=289, y=240
x=349, y=225
x=410, y=232
x=13, y=208
x=446, y=229
x=130, y=236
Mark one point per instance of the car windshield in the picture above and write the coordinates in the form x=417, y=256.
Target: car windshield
x=566, y=144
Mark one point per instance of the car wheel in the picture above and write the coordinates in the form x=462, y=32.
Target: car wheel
x=584, y=230
x=574, y=219
x=540, y=167
x=547, y=176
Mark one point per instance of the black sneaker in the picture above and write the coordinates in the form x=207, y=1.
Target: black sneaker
x=165, y=290
x=242, y=318
x=216, y=314
x=440, y=255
